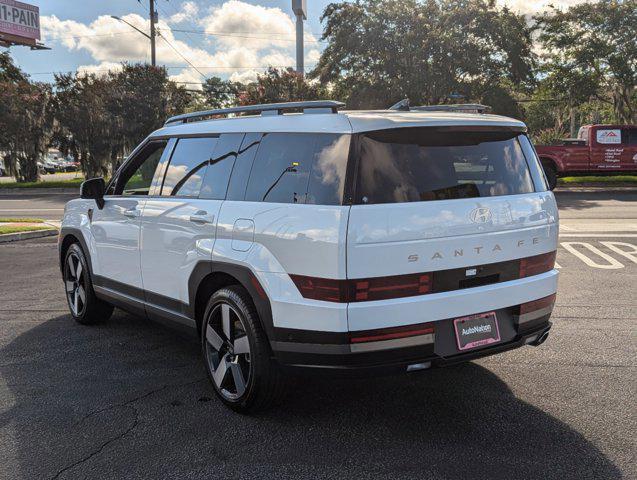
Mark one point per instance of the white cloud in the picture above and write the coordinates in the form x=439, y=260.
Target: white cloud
x=187, y=12
x=188, y=78
x=99, y=69
x=251, y=26
x=531, y=7
x=252, y=38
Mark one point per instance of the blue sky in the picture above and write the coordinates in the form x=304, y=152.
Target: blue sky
x=63, y=57
x=243, y=36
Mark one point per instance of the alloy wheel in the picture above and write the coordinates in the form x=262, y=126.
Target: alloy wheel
x=228, y=351
x=75, y=284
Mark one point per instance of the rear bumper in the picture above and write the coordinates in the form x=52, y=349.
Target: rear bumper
x=340, y=359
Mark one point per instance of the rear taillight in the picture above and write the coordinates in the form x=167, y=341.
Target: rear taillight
x=363, y=289
x=321, y=288
x=538, y=264
x=410, y=285
x=538, y=304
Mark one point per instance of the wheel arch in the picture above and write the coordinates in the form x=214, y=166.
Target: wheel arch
x=551, y=161
x=69, y=236
x=208, y=277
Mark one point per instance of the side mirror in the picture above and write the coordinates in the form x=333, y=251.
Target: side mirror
x=93, y=189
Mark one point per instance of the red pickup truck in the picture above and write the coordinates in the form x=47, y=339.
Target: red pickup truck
x=597, y=150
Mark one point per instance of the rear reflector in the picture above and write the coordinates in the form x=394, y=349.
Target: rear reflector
x=538, y=264
x=538, y=304
x=383, y=288
x=391, y=333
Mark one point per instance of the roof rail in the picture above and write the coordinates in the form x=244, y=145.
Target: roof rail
x=403, y=106
x=319, y=106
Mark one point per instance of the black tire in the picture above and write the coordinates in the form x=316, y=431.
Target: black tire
x=84, y=306
x=551, y=175
x=245, y=382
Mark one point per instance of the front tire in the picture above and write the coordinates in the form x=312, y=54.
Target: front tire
x=85, y=307
x=237, y=353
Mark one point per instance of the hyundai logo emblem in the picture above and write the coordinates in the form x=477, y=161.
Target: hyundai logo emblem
x=480, y=215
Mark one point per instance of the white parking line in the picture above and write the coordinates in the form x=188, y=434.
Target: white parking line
x=9, y=210
x=611, y=265
x=630, y=254
x=606, y=235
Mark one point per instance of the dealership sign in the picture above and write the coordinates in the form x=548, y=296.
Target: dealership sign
x=19, y=21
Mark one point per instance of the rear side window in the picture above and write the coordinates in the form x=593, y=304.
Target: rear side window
x=299, y=168
x=329, y=168
x=281, y=169
x=630, y=136
x=421, y=164
x=187, y=167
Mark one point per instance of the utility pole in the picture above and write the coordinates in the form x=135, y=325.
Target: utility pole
x=299, y=8
x=153, y=20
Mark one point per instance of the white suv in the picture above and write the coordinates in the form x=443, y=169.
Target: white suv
x=295, y=235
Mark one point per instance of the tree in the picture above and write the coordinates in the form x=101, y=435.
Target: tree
x=141, y=99
x=280, y=85
x=25, y=120
x=592, y=51
x=218, y=93
x=107, y=116
x=380, y=51
x=81, y=109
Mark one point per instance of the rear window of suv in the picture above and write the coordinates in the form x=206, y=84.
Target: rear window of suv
x=420, y=164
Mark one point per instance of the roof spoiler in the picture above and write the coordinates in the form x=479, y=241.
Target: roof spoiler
x=403, y=106
x=315, y=106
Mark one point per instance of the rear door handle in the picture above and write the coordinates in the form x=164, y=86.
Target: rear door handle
x=202, y=218
x=132, y=213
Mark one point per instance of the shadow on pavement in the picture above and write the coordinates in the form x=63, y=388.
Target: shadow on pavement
x=592, y=200
x=128, y=399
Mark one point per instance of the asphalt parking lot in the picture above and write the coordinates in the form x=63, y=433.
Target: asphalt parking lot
x=129, y=399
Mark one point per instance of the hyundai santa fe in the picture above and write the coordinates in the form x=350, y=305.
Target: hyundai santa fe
x=300, y=236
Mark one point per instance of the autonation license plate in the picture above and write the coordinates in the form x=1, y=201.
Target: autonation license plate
x=476, y=330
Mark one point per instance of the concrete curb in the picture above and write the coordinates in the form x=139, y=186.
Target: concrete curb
x=595, y=188
x=14, y=237
x=40, y=191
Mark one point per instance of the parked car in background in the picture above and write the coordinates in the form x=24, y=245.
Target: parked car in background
x=597, y=150
x=48, y=166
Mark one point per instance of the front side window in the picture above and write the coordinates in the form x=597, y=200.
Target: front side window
x=215, y=182
x=137, y=177
x=421, y=164
x=187, y=167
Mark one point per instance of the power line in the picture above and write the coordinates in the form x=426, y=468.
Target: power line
x=180, y=54
x=181, y=67
x=245, y=35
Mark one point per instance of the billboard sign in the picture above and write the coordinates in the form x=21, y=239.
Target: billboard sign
x=19, y=20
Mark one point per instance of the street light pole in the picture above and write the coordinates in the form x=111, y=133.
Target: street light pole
x=299, y=8
x=153, y=19
x=150, y=37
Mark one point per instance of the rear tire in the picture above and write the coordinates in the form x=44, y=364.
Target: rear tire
x=237, y=353
x=551, y=175
x=84, y=306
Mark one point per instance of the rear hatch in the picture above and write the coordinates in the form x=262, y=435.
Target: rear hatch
x=447, y=200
